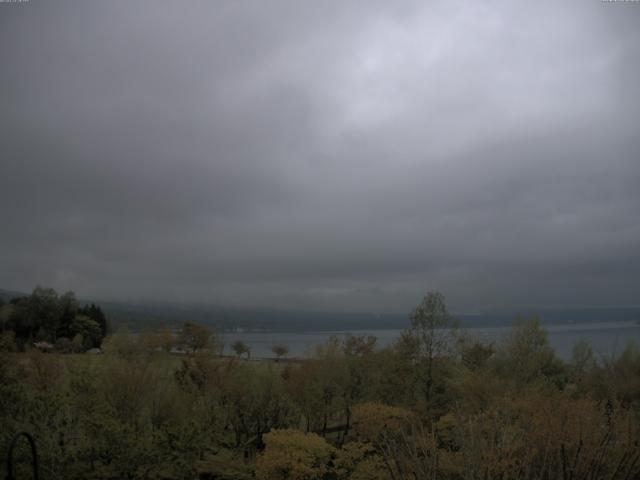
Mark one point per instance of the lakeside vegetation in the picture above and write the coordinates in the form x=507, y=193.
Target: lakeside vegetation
x=436, y=404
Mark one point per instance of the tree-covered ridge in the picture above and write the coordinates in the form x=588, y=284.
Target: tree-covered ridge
x=437, y=404
x=52, y=320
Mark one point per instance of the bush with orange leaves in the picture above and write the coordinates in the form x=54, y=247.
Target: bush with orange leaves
x=372, y=421
x=405, y=448
x=548, y=434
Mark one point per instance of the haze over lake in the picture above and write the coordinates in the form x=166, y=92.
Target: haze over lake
x=608, y=339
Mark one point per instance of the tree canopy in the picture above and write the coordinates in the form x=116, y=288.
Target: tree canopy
x=45, y=316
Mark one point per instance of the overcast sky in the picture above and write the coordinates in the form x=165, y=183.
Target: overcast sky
x=322, y=155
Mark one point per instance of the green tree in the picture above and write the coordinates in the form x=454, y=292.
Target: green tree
x=359, y=353
x=95, y=313
x=40, y=311
x=68, y=310
x=431, y=331
x=280, y=350
x=78, y=343
x=582, y=362
x=88, y=329
x=474, y=353
x=240, y=348
x=5, y=315
x=195, y=337
x=527, y=355
x=7, y=341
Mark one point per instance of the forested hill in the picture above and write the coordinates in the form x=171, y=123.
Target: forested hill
x=6, y=295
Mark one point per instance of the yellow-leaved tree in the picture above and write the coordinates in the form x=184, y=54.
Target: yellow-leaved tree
x=294, y=455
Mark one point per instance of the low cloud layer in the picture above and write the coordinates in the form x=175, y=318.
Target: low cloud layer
x=322, y=155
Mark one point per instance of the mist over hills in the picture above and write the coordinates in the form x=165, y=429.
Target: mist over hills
x=139, y=315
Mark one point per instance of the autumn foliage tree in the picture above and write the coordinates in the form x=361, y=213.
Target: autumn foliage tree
x=195, y=337
x=294, y=455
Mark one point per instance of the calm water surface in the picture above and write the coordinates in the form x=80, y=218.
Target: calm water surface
x=607, y=339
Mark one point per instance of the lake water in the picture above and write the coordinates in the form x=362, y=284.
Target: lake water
x=608, y=339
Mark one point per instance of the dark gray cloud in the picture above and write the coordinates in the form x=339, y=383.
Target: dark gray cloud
x=322, y=155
